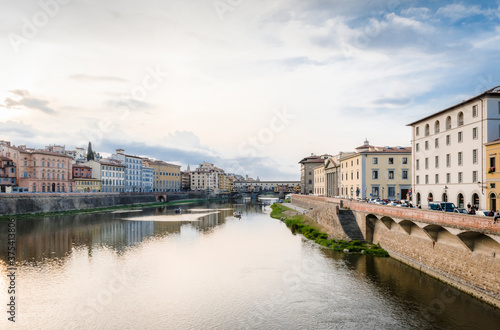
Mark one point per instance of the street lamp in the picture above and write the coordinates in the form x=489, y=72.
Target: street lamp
x=383, y=192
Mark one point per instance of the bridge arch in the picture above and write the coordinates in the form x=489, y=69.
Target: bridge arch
x=370, y=221
x=480, y=243
x=388, y=222
x=412, y=229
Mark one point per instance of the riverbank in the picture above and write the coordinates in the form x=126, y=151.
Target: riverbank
x=299, y=223
x=107, y=209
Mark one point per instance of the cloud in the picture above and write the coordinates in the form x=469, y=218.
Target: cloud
x=128, y=103
x=458, y=11
x=84, y=77
x=10, y=128
x=392, y=101
x=24, y=99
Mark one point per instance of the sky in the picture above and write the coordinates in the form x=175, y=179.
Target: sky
x=251, y=86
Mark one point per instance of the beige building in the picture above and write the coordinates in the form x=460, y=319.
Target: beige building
x=376, y=172
x=206, y=178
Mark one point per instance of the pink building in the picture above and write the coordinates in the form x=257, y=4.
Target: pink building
x=39, y=170
x=82, y=171
x=7, y=174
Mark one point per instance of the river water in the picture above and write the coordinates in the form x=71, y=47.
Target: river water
x=153, y=269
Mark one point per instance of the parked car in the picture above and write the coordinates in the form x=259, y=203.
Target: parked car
x=442, y=206
x=402, y=205
x=483, y=213
x=464, y=211
x=393, y=204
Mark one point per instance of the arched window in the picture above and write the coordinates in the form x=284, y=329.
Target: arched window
x=448, y=122
x=25, y=174
x=475, y=200
x=460, y=118
x=427, y=130
x=445, y=197
x=493, y=202
x=418, y=199
x=460, y=201
x=430, y=198
x=436, y=126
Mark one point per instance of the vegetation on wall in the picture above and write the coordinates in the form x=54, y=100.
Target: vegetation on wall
x=298, y=224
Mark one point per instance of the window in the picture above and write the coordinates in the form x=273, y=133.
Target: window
x=427, y=163
x=391, y=175
x=474, y=111
x=426, y=179
x=448, y=140
x=405, y=160
x=436, y=179
x=436, y=162
x=391, y=160
x=492, y=165
x=460, y=137
x=459, y=177
x=375, y=161
x=404, y=174
x=375, y=174
x=25, y=163
x=474, y=176
x=448, y=177
x=460, y=119
x=427, y=130
x=474, y=156
x=474, y=133
x=391, y=191
x=417, y=145
x=417, y=130
x=375, y=191
x=460, y=158
x=436, y=126
x=418, y=179
x=492, y=185
x=417, y=164
x=426, y=145
x=448, y=123
x=436, y=143
x=448, y=160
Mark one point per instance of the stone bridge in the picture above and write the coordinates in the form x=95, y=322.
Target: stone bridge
x=460, y=249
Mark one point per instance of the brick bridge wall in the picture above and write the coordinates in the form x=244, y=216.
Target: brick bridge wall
x=475, y=271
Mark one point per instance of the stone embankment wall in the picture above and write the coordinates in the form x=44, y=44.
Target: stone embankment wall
x=30, y=203
x=433, y=242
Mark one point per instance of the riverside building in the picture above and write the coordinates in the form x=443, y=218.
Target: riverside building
x=449, y=158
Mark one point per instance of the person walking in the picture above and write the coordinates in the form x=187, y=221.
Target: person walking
x=496, y=217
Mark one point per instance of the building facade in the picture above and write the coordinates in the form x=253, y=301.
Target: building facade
x=166, y=176
x=307, y=166
x=133, y=170
x=376, y=172
x=492, y=170
x=206, y=178
x=320, y=180
x=110, y=172
x=39, y=170
x=449, y=153
x=7, y=174
x=263, y=186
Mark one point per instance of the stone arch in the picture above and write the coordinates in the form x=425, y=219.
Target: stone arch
x=388, y=222
x=475, y=199
x=448, y=123
x=460, y=200
x=370, y=221
x=436, y=126
x=412, y=229
x=492, y=201
x=460, y=118
x=480, y=243
x=161, y=199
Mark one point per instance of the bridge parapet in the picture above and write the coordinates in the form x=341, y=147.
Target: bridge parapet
x=455, y=220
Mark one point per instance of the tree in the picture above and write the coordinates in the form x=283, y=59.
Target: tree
x=90, y=153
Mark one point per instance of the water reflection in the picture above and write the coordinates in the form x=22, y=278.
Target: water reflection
x=56, y=237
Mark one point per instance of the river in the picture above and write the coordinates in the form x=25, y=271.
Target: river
x=154, y=269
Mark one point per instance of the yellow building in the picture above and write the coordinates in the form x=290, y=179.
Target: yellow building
x=376, y=172
x=492, y=174
x=167, y=177
x=87, y=185
x=319, y=181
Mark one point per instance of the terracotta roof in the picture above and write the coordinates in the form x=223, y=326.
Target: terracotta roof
x=5, y=159
x=81, y=166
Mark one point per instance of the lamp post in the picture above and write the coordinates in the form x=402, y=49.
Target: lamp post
x=445, y=194
x=383, y=192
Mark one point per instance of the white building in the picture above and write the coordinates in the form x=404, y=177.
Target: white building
x=206, y=178
x=448, y=154
x=110, y=172
x=147, y=178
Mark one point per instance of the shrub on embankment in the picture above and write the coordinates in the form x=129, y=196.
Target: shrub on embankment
x=298, y=224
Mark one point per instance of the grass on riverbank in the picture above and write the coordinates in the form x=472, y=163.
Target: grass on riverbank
x=298, y=223
x=104, y=209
